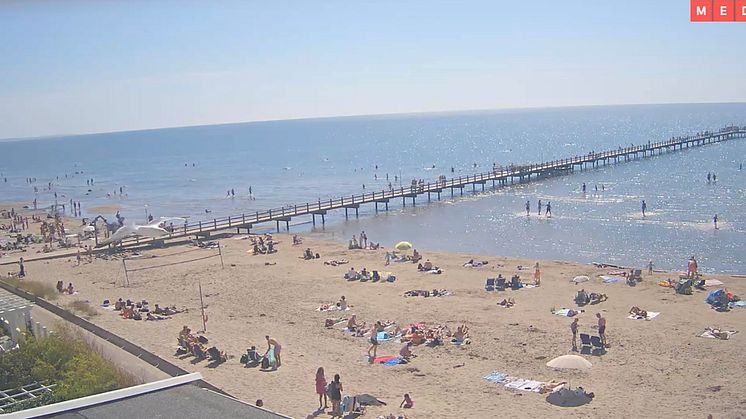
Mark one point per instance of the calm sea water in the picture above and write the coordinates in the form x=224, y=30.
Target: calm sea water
x=183, y=171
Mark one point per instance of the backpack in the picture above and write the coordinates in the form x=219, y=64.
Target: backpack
x=265, y=363
x=245, y=359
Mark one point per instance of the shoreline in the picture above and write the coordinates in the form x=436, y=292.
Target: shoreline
x=250, y=299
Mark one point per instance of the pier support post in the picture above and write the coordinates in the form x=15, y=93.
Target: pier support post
x=346, y=217
x=278, y=225
x=357, y=215
x=287, y=225
x=323, y=220
x=404, y=201
x=428, y=196
x=387, y=205
x=313, y=218
x=438, y=195
x=376, y=204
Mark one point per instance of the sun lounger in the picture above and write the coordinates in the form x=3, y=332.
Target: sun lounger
x=585, y=344
x=598, y=347
x=490, y=284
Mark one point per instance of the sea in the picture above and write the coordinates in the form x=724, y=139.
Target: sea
x=191, y=171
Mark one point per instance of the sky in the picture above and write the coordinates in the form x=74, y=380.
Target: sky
x=71, y=67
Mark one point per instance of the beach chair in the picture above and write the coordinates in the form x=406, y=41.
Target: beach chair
x=585, y=344
x=500, y=283
x=490, y=284
x=376, y=276
x=598, y=347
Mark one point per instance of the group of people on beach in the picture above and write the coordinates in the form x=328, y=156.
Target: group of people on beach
x=548, y=208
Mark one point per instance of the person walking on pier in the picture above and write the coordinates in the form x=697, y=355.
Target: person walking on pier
x=528, y=208
x=549, y=209
x=644, y=207
x=539, y=207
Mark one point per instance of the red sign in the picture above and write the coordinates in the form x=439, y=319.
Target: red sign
x=717, y=10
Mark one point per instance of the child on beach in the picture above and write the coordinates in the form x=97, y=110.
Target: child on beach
x=407, y=403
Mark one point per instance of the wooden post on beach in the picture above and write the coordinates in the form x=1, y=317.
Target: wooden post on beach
x=126, y=276
x=202, y=305
x=220, y=253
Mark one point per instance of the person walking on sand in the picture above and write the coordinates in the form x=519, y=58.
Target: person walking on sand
x=715, y=221
x=274, y=345
x=374, y=341
x=321, y=387
x=549, y=209
x=335, y=394
x=528, y=208
x=574, y=330
x=602, y=328
x=644, y=207
x=650, y=267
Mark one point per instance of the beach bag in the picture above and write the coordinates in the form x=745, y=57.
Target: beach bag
x=245, y=358
x=265, y=363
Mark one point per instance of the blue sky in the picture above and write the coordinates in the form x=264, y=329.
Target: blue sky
x=80, y=67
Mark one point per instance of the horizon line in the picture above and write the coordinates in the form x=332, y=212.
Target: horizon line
x=351, y=116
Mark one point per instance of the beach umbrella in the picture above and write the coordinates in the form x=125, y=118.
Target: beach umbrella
x=569, y=362
x=580, y=278
x=403, y=246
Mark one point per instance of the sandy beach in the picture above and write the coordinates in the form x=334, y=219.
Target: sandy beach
x=656, y=368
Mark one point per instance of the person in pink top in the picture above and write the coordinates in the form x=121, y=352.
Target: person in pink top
x=321, y=387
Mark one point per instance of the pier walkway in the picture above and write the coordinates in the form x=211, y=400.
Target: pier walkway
x=501, y=176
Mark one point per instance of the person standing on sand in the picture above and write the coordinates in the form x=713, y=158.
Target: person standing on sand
x=528, y=208
x=574, y=329
x=537, y=274
x=321, y=387
x=21, y=269
x=335, y=394
x=274, y=345
x=650, y=267
x=602, y=328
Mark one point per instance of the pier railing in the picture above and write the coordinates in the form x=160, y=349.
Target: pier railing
x=501, y=174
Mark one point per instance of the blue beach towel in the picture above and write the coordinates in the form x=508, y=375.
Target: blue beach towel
x=496, y=377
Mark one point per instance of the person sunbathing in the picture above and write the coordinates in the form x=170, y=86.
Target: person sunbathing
x=352, y=323
x=364, y=274
x=307, y=254
x=352, y=274
x=638, y=312
x=427, y=266
x=462, y=332
x=597, y=298
x=152, y=317
x=507, y=303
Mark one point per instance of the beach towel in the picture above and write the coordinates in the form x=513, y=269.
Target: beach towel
x=524, y=385
x=496, y=377
x=272, y=359
x=459, y=342
x=382, y=337
x=737, y=304
x=565, y=312
x=712, y=333
x=651, y=316
x=332, y=307
x=389, y=360
x=610, y=279
x=713, y=282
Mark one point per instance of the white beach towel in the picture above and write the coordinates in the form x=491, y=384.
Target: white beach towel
x=651, y=316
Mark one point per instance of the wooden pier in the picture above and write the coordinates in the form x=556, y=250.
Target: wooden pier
x=499, y=177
